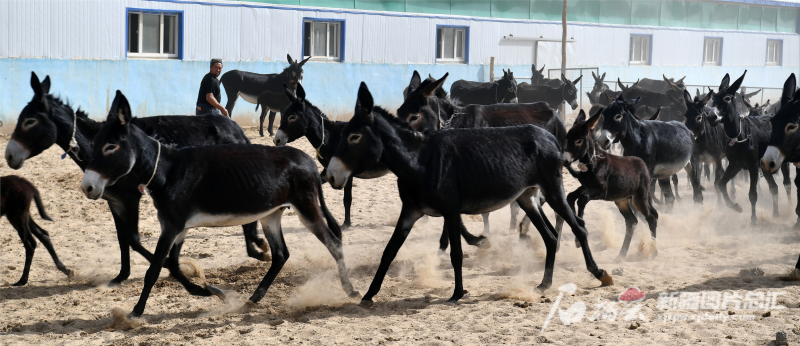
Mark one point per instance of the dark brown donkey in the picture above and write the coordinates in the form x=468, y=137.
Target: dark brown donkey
x=623, y=180
x=16, y=195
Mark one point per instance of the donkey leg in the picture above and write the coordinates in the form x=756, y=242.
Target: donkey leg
x=311, y=217
x=797, y=206
x=730, y=172
x=514, y=208
x=44, y=237
x=675, y=182
x=624, y=206
x=666, y=189
x=456, y=255
x=773, y=190
x=173, y=264
x=271, y=224
x=19, y=222
x=407, y=218
x=485, y=218
x=653, y=196
x=125, y=212
x=718, y=171
x=232, y=96
x=707, y=171
x=271, y=122
x=261, y=118
x=787, y=181
x=554, y=193
x=348, y=200
x=444, y=239
x=167, y=238
x=252, y=241
x=550, y=239
x=753, y=194
x=693, y=172
x=651, y=215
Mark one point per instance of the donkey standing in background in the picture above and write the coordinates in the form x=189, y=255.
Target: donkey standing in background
x=274, y=103
x=457, y=171
x=212, y=186
x=598, y=89
x=16, y=195
x=250, y=85
x=603, y=176
x=538, y=78
x=552, y=95
x=46, y=121
x=477, y=93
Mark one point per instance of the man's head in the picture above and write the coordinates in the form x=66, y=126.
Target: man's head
x=216, y=67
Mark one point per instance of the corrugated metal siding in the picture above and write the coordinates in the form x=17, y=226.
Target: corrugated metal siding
x=95, y=29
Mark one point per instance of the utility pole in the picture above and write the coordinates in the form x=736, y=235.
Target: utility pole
x=564, y=54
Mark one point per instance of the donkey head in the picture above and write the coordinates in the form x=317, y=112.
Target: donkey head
x=421, y=109
x=598, y=80
x=696, y=113
x=415, y=82
x=724, y=99
x=784, y=141
x=537, y=76
x=616, y=120
x=115, y=151
x=569, y=91
x=506, y=88
x=35, y=130
x=296, y=119
x=580, y=139
x=360, y=146
x=294, y=72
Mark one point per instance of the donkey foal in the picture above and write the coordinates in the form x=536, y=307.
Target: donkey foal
x=16, y=195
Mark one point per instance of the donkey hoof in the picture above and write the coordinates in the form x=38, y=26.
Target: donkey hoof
x=577, y=244
x=794, y=275
x=71, y=274
x=620, y=258
x=606, y=279
x=483, y=243
x=366, y=303
x=736, y=207
x=543, y=287
x=354, y=294
x=20, y=283
x=451, y=302
x=216, y=292
x=796, y=226
x=345, y=226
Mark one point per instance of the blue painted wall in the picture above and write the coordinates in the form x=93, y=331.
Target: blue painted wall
x=170, y=86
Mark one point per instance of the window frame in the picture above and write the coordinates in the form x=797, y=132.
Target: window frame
x=705, y=47
x=178, y=33
x=341, y=39
x=779, y=56
x=649, y=61
x=465, y=59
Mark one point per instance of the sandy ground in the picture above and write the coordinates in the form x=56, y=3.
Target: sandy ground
x=702, y=250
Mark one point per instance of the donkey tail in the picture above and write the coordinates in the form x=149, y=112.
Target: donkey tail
x=256, y=106
x=40, y=206
x=332, y=224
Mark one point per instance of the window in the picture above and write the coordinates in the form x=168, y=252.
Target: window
x=322, y=39
x=153, y=34
x=712, y=51
x=774, y=52
x=451, y=44
x=640, y=49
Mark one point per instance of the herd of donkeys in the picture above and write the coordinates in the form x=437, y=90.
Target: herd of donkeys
x=478, y=149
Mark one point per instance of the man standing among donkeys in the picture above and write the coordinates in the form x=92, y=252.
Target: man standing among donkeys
x=209, y=95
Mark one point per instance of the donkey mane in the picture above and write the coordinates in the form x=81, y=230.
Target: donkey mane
x=93, y=125
x=427, y=82
x=397, y=122
x=315, y=109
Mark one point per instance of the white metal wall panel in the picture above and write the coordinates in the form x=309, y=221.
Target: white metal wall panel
x=255, y=34
x=4, y=28
x=225, y=31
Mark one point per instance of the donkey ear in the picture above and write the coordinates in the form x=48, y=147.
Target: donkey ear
x=656, y=114
x=680, y=80
x=542, y=69
x=580, y=118
x=687, y=97
x=564, y=78
x=46, y=85
x=736, y=84
x=752, y=94
x=726, y=81
x=747, y=104
x=303, y=62
x=633, y=102
x=609, y=98
x=415, y=80
x=36, y=85
x=708, y=97
x=364, y=103
x=301, y=93
x=430, y=89
x=289, y=58
x=120, y=109
x=766, y=103
x=621, y=86
x=593, y=120
x=289, y=94
x=603, y=76
x=594, y=75
x=671, y=84
x=577, y=80
x=533, y=67
x=789, y=88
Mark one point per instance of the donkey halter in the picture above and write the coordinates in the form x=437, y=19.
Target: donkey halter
x=322, y=128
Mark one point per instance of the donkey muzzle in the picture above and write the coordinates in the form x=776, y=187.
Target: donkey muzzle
x=772, y=159
x=93, y=184
x=16, y=154
x=574, y=104
x=280, y=138
x=338, y=173
x=605, y=139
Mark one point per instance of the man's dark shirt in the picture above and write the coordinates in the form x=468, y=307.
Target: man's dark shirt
x=210, y=84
